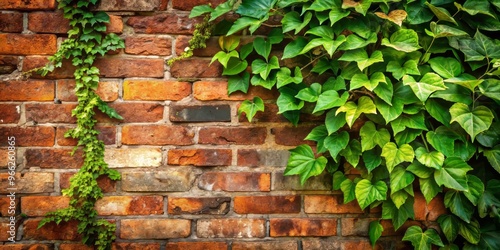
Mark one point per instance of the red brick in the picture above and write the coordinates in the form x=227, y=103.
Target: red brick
x=27, y=44
x=7, y=205
x=133, y=112
x=195, y=68
x=107, y=185
x=270, y=114
x=212, y=245
x=115, y=24
x=4, y=157
x=302, y=227
x=135, y=246
x=74, y=246
x=217, y=90
x=28, y=183
x=40, y=205
x=129, y=5
x=360, y=244
x=130, y=67
x=235, y=181
x=200, y=157
x=155, y=90
x=321, y=244
x=130, y=205
x=330, y=204
x=10, y=113
x=265, y=245
x=156, y=135
x=148, y=45
x=267, y=204
x=231, y=228
x=164, y=23
x=11, y=22
x=233, y=135
x=195, y=205
x=154, y=228
x=51, y=231
x=5, y=227
x=32, y=90
x=291, y=136
x=50, y=113
x=53, y=158
x=48, y=22
x=107, y=134
x=28, y=136
x=8, y=64
x=181, y=42
x=27, y=247
x=188, y=5
x=262, y=157
x=356, y=226
x=28, y=5
x=108, y=90
x=32, y=62
x=431, y=211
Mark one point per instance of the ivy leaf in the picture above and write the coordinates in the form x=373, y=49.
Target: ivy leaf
x=224, y=57
x=491, y=88
x=474, y=7
x=360, y=7
x=360, y=56
x=465, y=80
x=394, y=155
x=422, y=240
x=375, y=230
x=220, y=10
x=410, y=67
x=255, y=8
x=443, y=140
x=106, y=109
x=433, y=159
x=355, y=42
x=472, y=121
x=370, y=136
x=284, y=77
x=453, y=174
x=429, y=83
x=449, y=223
x=395, y=16
x=336, y=142
x=334, y=122
x=275, y=36
x=389, y=112
x=292, y=21
x=242, y=23
x=303, y=162
x=200, y=10
x=229, y=43
x=384, y=91
x=348, y=189
x=294, y=48
x=250, y=108
x=479, y=48
x=262, y=47
x=420, y=170
x=336, y=12
x=416, y=121
x=446, y=67
x=441, y=30
x=399, y=179
x=234, y=67
x=287, y=101
x=491, y=137
x=398, y=216
x=441, y=13
x=309, y=94
x=438, y=111
x=493, y=156
x=353, y=110
x=399, y=198
x=470, y=231
x=330, y=99
x=407, y=136
x=459, y=205
x=264, y=69
x=361, y=80
x=352, y=152
x=403, y=40
x=372, y=159
x=238, y=83
x=429, y=188
x=367, y=192
x=475, y=189
x=338, y=178
x=267, y=83
x=317, y=134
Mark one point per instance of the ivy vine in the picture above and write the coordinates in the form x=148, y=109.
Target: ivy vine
x=86, y=41
x=421, y=81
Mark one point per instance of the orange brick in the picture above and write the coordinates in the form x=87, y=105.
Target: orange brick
x=130, y=67
x=115, y=24
x=200, y=157
x=181, y=42
x=196, y=68
x=329, y=204
x=4, y=157
x=197, y=245
x=154, y=228
x=290, y=227
x=431, y=211
x=217, y=90
x=10, y=113
x=48, y=22
x=155, y=90
x=27, y=44
x=8, y=64
x=235, y=181
x=133, y=112
x=138, y=45
x=107, y=134
x=195, y=205
x=27, y=247
x=360, y=244
x=135, y=246
x=156, y=135
x=232, y=135
x=130, y=205
x=28, y=183
x=50, y=113
x=51, y=231
x=28, y=136
x=291, y=136
x=65, y=71
x=9, y=206
x=32, y=90
x=28, y=5
x=107, y=90
x=53, y=158
x=40, y=205
x=74, y=246
x=266, y=245
x=231, y=228
x=267, y=204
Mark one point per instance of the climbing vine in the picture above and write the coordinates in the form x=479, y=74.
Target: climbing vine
x=409, y=91
x=86, y=41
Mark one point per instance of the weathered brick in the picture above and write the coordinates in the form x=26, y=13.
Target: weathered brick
x=262, y=157
x=8, y=64
x=105, y=183
x=217, y=90
x=231, y=228
x=134, y=246
x=267, y=204
x=51, y=231
x=356, y=226
x=195, y=205
x=11, y=22
x=291, y=136
x=188, y=5
x=360, y=244
x=32, y=62
x=155, y=228
x=389, y=227
x=164, y=23
x=28, y=183
x=266, y=245
x=195, y=68
x=130, y=67
x=171, y=180
x=115, y=24
x=156, y=135
x=133, y=157
x=28, y=5
x=181, y=42
x=27, y=247
x=321, y=244
x=40, y=205
x=28, y=136
x=200, y=113
x=33, y=90
x=9, y=206
x=28, y=44
x=129, y=205
x=107, y=90
x=200, y=157
x=9, y=230
x=160, y=46
x=53, y=158
x=330, y=204
x=232, y=135
x=235, y=181
x=48, y=22
x=129, y=5
x=4, y=157
x=50, y=113
x=155, y=90
x=133, y=112
x=286, y=183
x=199, y=245
x=302, y=227
x=431, y=211
x=10, y=113
x=74, y=246
x=107, y=134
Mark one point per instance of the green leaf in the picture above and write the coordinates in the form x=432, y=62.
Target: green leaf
x=322, y=31
x=443, y=140
x=338, y=178
x=429, y=83
x=348, y=188
x=224, y=57
x=367, y=192
x=459, y=205
x=438, y=111
x=416, y=121
x=375, y=230
x=491, y=88
x=441, y=13
x=400, y=178
x=255, y=8
x=333, y=121
x=475, y=189
x=389, y=112
x=220, y=10
x=449, y=223
x=330, y=99
x=422, y=240
x=267, y=83
x=468, y=81
x=360, y=56
x=284, y=77
x=453, y=174
x=238, y=83
x=287, y=101
x=370, y=136
x=441, y=30
x=294, y=48
x=352, y=152
x=309, y=94
x=337, y=13
x=361, y=80
x=394, y=155
x=106, y=109
x=420, y=170
x=372, y=159
x=472, y=121
x=242, y=23
x=474, y=7
x=429, y=188
x=263, y=68
x=292, y=21
x=418, y=13
x=399, y=198
x=410, y=67
x=262, y=47
x=336, y=142
x=360, y=7
x=200, y=10
x=493, y=156
x=479, y=48
x=303, y=162
x=407, y=136
x=491, y=137
x=384, y=91
x=470, y=231
x=433, y=159
x=454, y=93
x=353, y=110
x=235, y=66
x=275, y=36
x=446, y=67
x=398, y=216
x=250, y=108
x=403, y=40
x=355, y=42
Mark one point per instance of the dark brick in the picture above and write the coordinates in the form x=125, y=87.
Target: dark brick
x=8, y=64
x=28, y=136
x=291, y=136
x=53, y=158
x=9, y=113
x=11, y=22
x=262, y=157
x=267, y=204
x=233, y=135
x=200, y=113
x=50, y=113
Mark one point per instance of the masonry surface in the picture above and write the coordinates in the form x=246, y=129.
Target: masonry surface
x=194, y=175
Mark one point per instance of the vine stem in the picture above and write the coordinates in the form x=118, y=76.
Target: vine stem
x=425, y=142
x=312, y=61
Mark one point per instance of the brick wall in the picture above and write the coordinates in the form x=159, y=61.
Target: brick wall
x=194, y=175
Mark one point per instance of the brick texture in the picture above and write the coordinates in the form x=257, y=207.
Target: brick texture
x=171, y=180
x=156, y=135
x=51, y=231
x=32, y=90
x=266, y=245
x=200, y=157
x=28, y=136
x=165, y=23
x=11, y=22
x=40, y=205
x=148, y=46
x=28, y=5
x=217, y=90
x=53, y=158
x=50, y=113
x=303, y=227
x=197, y=68
x=230, y=228
x=154, y=228
x=155, y=90
x=8, y=64
x=28, y=183
x=235, y=181
x=194, y=205
x=10, y=113
x=267, y=204
x=107, y=90
x=233, y=135
x=197, y=245
x=127, y=205
x=27, y=44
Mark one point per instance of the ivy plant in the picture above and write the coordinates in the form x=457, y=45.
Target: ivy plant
x=86, y=41
x=409, y=91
